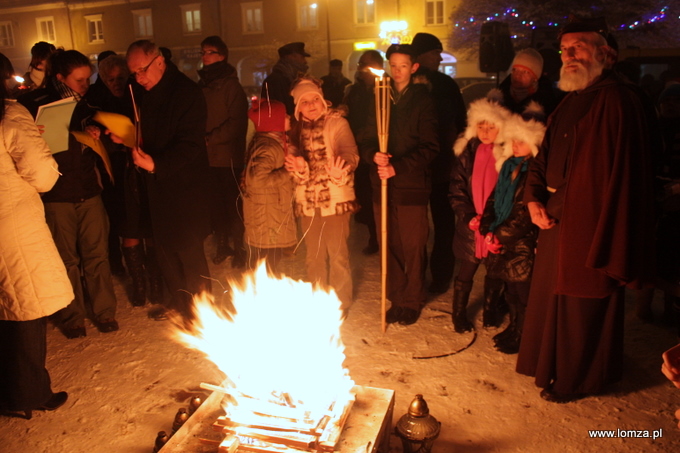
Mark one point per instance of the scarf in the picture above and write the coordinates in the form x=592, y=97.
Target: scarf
x=483, y=181
x=505, y=188
x=64, y=91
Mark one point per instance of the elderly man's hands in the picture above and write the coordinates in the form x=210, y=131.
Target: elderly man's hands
x=540, y=216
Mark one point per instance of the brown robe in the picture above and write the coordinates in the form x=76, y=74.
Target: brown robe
x=596, y=157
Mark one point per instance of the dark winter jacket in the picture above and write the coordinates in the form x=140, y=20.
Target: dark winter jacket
x=413, y=143
x=278, y=84
x=517, y=234
x=546, y=96
x=227, y=122
x=80, y=177
x=451, y=116
x=173, y=118
x=460, y=197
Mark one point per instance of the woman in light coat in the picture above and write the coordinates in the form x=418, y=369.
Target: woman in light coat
x=33, y=279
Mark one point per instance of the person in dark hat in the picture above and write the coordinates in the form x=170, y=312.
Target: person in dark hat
x=225, y=137
x=451, y=113
x=291, y=65
x=334, y=83
x=590, y=192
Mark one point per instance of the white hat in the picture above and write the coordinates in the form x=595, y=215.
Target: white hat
x=304, y=87
x=525, y=128
x=531, y=60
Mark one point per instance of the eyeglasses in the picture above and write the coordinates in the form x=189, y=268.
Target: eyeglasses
x=141, y=72
x=209, y=52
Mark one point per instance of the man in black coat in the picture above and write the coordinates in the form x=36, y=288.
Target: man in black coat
x=173, y=155
x=451, y=114
x=291, y=65
x=411, y=147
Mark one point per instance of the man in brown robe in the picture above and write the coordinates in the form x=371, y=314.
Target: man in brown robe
x=589, y=190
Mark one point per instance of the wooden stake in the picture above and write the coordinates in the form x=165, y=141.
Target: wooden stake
x=382, y=115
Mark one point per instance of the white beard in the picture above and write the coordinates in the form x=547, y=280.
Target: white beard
x=580, y=79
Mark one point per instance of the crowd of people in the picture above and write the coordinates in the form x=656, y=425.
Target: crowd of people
x=552, y=189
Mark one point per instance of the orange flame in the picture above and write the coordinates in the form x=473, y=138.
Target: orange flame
x=283, y=344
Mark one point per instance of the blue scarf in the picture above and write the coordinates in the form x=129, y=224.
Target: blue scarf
x=505, y=189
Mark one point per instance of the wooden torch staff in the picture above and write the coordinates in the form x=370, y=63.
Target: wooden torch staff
x=383, y=103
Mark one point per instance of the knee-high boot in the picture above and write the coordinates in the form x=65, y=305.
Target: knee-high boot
x=134, y=261
x=493, y=292
x=155, y=276
x=510, y=343
x=461, y=296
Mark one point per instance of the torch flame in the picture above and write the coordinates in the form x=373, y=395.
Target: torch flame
x=283, y=344
x=377, y=72
x=19, y=79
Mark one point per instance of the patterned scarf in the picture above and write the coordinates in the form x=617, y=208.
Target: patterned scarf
x=313, y=147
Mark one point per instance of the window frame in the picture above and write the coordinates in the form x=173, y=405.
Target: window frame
x=307, y=4
x=9, y=28
x=147, y=15
x=356, y=12
x=95, y=19
x=435, y=14
x=38, y=24
x=246, y=7
x=192, y=8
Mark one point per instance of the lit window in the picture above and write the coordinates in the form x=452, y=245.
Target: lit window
x=95, y=28
x=6, y=34
x=143, y=23
x=434, y=12
x=251, y=17
x=191, y=18
x=309, y=15
x=365, y=11
x=45, y=26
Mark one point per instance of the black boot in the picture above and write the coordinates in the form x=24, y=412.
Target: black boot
x=222, y=249
x=134, y=260
x=510, y=345
x=493, y=292
x=156, y=282
x=461, y=296
x=510, y=329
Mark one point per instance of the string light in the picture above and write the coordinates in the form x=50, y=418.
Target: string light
x=513, y=13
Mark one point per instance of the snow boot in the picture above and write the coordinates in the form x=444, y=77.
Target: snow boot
x=461, y=296
x=134, y=261
x=155, y=276
x=492, y=315
x=510, y=344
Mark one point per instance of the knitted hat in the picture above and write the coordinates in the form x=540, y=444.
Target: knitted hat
x=424, y=42
x=531, y=60
x=268, y=116
x=305, y=87
x=524, y=128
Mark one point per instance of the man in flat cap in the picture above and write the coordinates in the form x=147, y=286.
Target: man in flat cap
x=291, y=65
x=451, y=114
x=589, y=189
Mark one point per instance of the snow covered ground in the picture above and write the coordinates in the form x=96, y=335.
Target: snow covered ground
x=126, y=386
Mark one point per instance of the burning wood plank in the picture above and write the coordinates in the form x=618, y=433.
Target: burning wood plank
x=262, y=423
x=300, y=441
x=266, y=408
x=331, y=434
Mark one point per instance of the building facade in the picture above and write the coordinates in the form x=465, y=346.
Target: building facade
x=253, y=30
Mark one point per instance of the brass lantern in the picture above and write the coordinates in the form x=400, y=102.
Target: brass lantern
x=417, y=428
